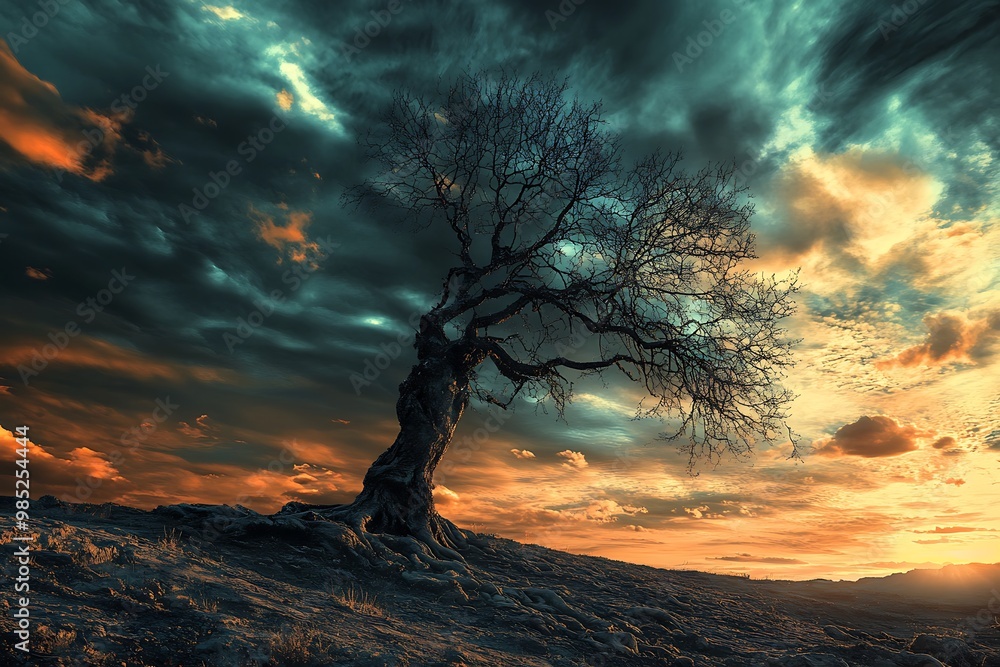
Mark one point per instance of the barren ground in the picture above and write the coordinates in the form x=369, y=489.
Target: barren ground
x=207, y=585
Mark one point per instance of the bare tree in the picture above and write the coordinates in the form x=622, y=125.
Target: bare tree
x=553, y=236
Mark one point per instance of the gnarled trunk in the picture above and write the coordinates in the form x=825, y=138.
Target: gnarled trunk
x=397, y=495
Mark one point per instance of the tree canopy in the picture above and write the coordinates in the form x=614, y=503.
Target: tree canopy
x=567, y=258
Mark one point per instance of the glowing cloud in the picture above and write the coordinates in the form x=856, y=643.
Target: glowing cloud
x=63, y=473
x=871, y=437
x=444, y=494
x=290, y=238
x=600, y=511
x=228, y=13
x=950, y=338
x=45, y=131
x=308, y=101
x=285, y=99
x=574, y=460
x=857, y=203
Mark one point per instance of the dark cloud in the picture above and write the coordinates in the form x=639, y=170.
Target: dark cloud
x=872, y=50
x=945, y=442
x=951, y=338
x=717, y=122
x=871, y=437
x=747, y=558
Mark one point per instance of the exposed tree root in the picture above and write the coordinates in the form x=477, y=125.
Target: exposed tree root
x=434, y=534
x=430, y=558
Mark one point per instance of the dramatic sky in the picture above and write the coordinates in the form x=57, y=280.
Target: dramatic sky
x=868, y=132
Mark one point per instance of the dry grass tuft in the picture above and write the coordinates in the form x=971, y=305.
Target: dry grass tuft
x=88, y=553
x=57, y=643
x=58, y=539
x=171, y=541
x=298, y=646
x=204, y=602
x=359, y=601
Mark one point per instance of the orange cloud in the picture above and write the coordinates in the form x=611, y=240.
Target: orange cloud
x=950, y=338
x=315, y=479
x=285, y=99
x=41, y=129
x=748, y=558
x=110, y=358
x=522, y=454
x=81, y=468
x=702, y=512
x=289, y=238
x=444, y=495
x=946, y=442
x=37, y=274
x=949, y=530
x=200, y=430
x=574, y=460
x=871, y=437
x=602, y=511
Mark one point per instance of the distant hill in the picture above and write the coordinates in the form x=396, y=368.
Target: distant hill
x=953, y=584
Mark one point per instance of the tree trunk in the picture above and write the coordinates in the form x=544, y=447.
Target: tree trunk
x=397, y=495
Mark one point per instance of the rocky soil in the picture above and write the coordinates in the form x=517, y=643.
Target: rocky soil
x=217, y=586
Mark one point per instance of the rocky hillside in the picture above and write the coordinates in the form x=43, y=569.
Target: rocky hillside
x=217, y=586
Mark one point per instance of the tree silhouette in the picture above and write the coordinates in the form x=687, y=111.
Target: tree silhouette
x=554, y=236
